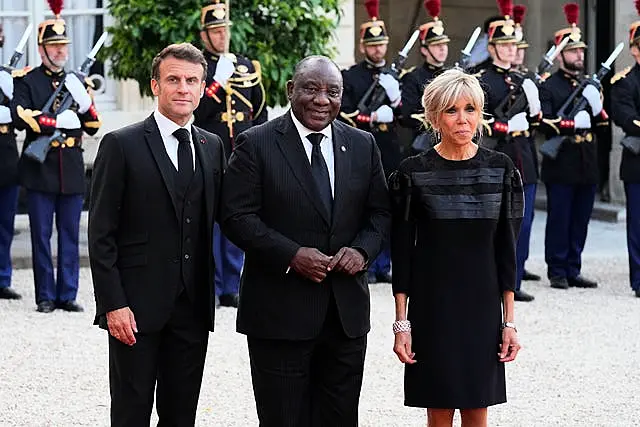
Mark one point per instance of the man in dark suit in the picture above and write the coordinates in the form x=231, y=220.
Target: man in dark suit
x=156, y=186
x=306, y=199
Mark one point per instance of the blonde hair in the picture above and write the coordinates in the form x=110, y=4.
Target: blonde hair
x=445, y=90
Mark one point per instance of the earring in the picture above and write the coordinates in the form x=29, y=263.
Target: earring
x=437, y=136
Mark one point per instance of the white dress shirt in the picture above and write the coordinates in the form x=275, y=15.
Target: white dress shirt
x=167, y=127
x=326, y=147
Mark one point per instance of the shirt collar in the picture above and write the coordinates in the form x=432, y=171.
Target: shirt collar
x=304, y=131
x=167, y=126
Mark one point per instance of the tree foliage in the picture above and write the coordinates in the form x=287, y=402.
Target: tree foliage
x=275, y=32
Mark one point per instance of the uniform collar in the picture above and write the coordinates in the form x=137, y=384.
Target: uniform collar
x=51, y=73
x=568, y=76
x=210, y=55
x=499, y=69
x=431, y=67
x=371, y=66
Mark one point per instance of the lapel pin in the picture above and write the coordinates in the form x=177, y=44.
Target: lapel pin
x=343, y=148
x=202, y=140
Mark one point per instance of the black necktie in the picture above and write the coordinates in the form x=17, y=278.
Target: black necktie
x=185, y=157
x=320, y=172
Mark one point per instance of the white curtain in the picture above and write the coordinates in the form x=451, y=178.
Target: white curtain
x=81, y=30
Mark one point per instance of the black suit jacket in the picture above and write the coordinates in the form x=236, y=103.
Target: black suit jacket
x=134, y=226
x=271, y=208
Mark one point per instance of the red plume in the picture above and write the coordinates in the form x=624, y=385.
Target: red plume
x=55, y=6
x=572, y=12
x=518, y=13
x=505, y=7
x=638, y=6
x=373, y=8
x=433, y=7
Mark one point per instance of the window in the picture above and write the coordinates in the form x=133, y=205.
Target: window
x=86, y=20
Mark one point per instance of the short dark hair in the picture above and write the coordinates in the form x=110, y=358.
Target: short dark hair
x=184, y=51
x=302, y=65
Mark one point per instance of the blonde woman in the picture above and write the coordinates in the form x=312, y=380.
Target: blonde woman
x=457, y=210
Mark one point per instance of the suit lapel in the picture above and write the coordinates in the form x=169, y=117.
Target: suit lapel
x=342, y=169
x=154, y=140
x=207, y=167
x=293, y=150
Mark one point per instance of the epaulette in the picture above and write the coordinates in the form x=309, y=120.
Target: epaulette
x=16, y=74
x=620, y=75
x=406, y=71
x=480, y=73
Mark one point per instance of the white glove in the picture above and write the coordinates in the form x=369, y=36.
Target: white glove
x=592, y=95
x=5, y=115
x=224, y=70
x=518, y=123
x=6, y=84
x=384, y=114
x=67, y=120
x=582, y=120
x=78, y=92
x=390, y=85
x=533, y=96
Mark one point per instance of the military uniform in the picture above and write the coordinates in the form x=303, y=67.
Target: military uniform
x=227, y=111
x=500, y=92
x=57, y=185
x=8, y=190
x=625, y=112
x=571, y=178
x=356, y=81
x=413, y=83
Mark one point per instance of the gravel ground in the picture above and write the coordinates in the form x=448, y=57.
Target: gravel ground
x=579, y=365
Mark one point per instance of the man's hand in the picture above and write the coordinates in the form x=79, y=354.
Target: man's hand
x=533, y=97
x=593, y=97
x=67, y=120
x=5, y=115
x=347, y=260
x=6, y=84
x=391, y=86
x=224, y=70
x=78, y=92
x=122, y=325
x=311, y=263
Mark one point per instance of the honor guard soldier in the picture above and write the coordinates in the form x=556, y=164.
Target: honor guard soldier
x=381, y=122
x=625, y=112
x=509, y=130
x=56, y=185
x=434, y=48
x=8, y=181
x=233, y=101
x=522, y=44
x=571, y=177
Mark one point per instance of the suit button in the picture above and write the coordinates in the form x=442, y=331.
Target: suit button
x=188, y=202
x=186, y=257
x=188, y=240
x=188, y=220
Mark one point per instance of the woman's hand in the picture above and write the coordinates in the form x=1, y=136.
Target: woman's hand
x=402, y=347
x=510, y=346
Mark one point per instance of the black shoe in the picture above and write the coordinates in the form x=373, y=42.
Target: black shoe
x=371, y=278
x=559, y=283
x=71, y=306
x=581, y=282
x=229, y=300
x=46, y=306
x=637, y=293
x=383, y=278
x=523, y=296
x=8, y=293
x=527, y=275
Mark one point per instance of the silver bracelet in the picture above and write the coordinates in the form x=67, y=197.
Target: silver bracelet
x=401, y=326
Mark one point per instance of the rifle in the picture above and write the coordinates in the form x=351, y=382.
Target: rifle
x=466, y=52
x=15, y=58
x=374, y=97
x=551, y=147
x=38, y=149
x=519, y=104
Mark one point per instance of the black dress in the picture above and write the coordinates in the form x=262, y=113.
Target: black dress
x=455, y=228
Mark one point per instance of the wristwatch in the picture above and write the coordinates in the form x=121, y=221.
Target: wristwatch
x=509, y=325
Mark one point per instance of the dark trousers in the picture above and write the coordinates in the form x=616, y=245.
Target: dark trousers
x=229, y=259
x=173, y=357
x=8, y=207
x=522, y=249
x=632, y=192
x=604, y=162
x=67, y=210
x=382, y=263
x=569, y=209
x=308, y=383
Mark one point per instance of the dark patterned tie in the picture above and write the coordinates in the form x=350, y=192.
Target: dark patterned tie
x=320, y=172
x=185, y=157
